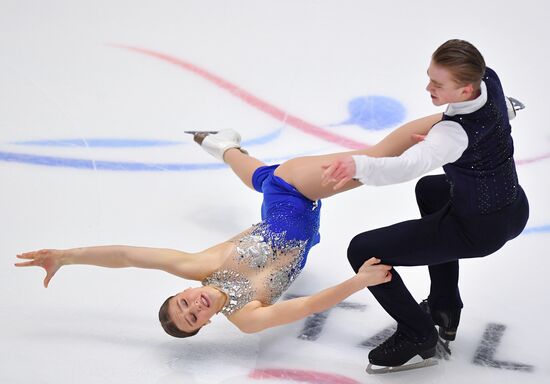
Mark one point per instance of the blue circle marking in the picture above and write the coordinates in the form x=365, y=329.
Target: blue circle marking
x=375, y=112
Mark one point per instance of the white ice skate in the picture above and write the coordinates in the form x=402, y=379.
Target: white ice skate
x=217, y=142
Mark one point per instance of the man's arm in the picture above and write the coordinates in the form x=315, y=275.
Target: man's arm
x=444, y=143
x=114, y=256
x=254, y=317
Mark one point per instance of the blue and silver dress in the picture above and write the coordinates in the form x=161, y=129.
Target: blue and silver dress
x=269, y=256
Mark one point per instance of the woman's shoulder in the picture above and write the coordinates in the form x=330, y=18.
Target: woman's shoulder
x=242, y=318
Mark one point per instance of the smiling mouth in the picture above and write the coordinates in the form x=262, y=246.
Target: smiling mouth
x=205, y=300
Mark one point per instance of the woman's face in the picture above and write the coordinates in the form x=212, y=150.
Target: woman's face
x=444, y=89
x=193, y=308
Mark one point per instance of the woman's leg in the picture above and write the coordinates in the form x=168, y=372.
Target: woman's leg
x=304, y=173
x=225, y=145
x=242, y=164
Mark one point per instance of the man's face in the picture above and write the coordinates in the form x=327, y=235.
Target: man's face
x=444, y=89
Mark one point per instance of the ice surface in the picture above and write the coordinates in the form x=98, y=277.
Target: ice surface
x=65, y=78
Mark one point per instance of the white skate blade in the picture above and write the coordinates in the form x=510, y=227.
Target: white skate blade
x=518, y=105
x=405, y=367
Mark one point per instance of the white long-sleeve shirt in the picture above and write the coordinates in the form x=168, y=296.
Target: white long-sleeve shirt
x=444, y=144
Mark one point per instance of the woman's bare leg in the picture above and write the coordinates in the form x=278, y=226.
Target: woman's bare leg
x=305, y=173
x=242, y=164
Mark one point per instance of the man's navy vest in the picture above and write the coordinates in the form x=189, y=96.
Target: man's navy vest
x=484, y=179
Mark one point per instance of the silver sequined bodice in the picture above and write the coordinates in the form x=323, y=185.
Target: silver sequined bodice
x=262, y=267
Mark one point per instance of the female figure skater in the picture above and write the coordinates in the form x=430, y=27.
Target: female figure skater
x=470, y=211
x=243, y=277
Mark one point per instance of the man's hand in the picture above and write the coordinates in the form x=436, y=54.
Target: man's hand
x=339, y=171
x=374, y=273
x=49, y=259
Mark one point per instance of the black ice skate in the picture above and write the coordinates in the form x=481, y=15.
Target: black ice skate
x=398, y=349
x=447, y=321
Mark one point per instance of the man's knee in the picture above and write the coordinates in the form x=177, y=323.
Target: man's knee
x=358, y=251
x=421, y=186
x=432, y=193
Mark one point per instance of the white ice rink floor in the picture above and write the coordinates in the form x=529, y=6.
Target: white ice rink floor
x=94, y=99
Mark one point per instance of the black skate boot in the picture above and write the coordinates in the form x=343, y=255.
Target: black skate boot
x=393, y=353
x=446, y=319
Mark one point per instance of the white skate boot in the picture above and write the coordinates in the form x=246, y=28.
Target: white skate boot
x=217, y=142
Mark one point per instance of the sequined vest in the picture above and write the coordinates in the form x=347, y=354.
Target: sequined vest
x=484, y=179
x=262, y=267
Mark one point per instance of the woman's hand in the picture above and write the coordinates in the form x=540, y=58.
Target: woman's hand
x=339, y=171
x=374, y=273
x=49, y=259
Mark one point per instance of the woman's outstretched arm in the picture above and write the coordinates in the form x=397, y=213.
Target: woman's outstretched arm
x=254, y=317
x=179, y=263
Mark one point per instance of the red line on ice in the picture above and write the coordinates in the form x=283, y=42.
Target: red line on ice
x=269, y=109
x=254, y=101
x=533, y=160
x=301, y=376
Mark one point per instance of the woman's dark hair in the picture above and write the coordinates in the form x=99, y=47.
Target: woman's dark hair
x=463, y=60
x=169, y=326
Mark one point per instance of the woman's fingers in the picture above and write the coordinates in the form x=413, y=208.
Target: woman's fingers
x=371, y=261
x=28, y=255
x=25, y=264
x=47, y=280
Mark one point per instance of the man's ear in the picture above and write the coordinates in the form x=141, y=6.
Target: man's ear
x=468, y=91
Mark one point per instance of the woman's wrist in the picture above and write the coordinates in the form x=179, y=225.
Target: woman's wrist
x=66, y=257
x=359, y=281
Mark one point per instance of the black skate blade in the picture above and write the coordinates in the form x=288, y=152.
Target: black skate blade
x=194, y=132
x=406, y=367
x=518, y=105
